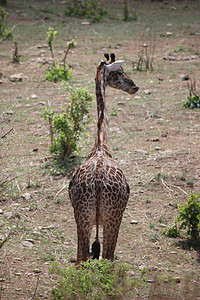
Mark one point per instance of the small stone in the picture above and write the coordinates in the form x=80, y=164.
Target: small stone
x=147, y=92
x=137, y=97
x=160, y=78
x=85, y=23
x=27, y=244
x=26, y=196
x=1, y=211
x=1, y=81
x=16, y=77
x=121, y=103
x=134, y=222
x=37, y=271
x=34, y=97
x=18, y=274
x=186, y=77
x=168, y=33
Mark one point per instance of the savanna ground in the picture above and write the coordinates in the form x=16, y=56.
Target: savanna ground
x=154, y=141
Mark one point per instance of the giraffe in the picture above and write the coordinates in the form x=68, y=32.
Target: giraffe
x=98, y=189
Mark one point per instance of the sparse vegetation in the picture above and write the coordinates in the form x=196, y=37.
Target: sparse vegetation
x=90, y=9
x=56, y=71
x=95, y=279
x=149, y=132
x=5, y=32
x=145, y=58
x=193, y=100
x=66, y=128
x=189, y=215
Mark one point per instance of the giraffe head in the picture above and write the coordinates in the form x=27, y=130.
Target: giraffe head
x=116, y=77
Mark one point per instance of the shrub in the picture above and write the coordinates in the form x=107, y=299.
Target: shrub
x=56, y=71
x=5, y=32
x=192, y=102
x=67, y=127
x=189, y=215
x=96, y=279
x=87, y=9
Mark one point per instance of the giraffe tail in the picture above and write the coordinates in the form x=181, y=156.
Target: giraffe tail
x=96, y=247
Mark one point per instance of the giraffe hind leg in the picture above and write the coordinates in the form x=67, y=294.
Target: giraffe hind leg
x=84, y=233
x=110, y=235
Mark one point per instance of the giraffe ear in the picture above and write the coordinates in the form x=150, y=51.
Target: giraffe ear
x=106, y=56
x=112, y=56
x=114, y=66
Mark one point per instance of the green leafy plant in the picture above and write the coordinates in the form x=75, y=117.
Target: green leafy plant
x=5, y=32
x=88, y=9
x=193, y=100
x=56, y=71
x=95, y=279
x=189, y=215
x=67, y=127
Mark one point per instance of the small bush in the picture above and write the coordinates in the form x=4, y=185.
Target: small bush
x=56, y=73
x=5, y=32
x=189, y=215
x=87, y=9
x=192, y=102
x=67, y=127
x=96, y=279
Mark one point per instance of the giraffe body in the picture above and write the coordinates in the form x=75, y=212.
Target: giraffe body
x=98, y=189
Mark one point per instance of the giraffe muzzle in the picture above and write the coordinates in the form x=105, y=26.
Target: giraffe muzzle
x=134, y=90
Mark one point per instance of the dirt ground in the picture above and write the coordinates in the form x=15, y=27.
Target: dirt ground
x=152, y=138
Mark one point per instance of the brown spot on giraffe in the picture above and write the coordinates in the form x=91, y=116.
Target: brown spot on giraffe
x=98, y=189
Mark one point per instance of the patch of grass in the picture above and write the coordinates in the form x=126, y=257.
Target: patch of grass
x=87, y=9
x=96, y=279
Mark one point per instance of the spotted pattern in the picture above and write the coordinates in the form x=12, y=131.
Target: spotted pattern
x=98, y=189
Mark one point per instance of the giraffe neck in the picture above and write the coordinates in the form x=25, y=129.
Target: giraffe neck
x=102, y=132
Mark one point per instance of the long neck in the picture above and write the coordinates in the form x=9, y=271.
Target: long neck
x=102, y=132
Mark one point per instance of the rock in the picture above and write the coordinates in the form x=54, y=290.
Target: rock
x=34, y=97
x=27, y=244
x=134, y=222
x=137, y=97
x=1, y=211
x=147, y=92
x=186, y=77
x=26, y=196
x=1, y=81
x=37, y=271
x=16, y=77
x=85, y=23
x=168, y=33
